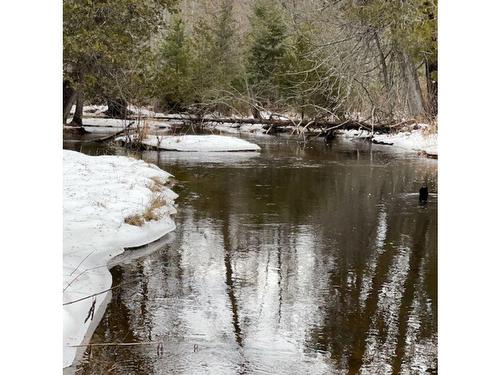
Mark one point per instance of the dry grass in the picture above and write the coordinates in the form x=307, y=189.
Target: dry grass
x=158, y=180
x=433, y=127
x=142, y=131
x=157, y=185
x=157, y=202
x=136, y=220
x=149, y=214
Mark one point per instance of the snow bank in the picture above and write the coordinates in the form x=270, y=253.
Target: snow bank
x=351, y=133
x=104, y=125
x=100, y=192
x=415, y=140
x=198, y=143
x=235, y=128
x=100, y=125
x=99, y=110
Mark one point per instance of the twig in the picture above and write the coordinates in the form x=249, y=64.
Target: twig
x=93, y=295
x=112, y=136
x=117, y=344
x=83, y=260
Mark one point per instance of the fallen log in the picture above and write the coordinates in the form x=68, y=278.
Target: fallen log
x=114, y=135
x=428, y=154
x=382, y=142
x=276, y=123
x=99, y=140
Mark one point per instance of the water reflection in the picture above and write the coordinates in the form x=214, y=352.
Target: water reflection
x=300, y=260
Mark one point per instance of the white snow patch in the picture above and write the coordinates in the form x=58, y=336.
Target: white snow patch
x=99, y=125
x=415, y=140
x=94, y=109
x=235, y=128
x=275, y=116
x=351, y=133
x=99, y=110
x=99, y=193
x=199, y=143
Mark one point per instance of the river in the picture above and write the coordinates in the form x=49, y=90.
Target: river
x=303, y=259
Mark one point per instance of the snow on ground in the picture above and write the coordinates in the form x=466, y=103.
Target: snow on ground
x=95, y=122
x=415, y=140
x=351, y=133
x=99, y=109
x=235, y=128
x=100, y=192
x=105, y=125
x=199, y=143
x=111, y=125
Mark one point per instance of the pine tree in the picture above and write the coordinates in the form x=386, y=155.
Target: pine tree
x=173, y=83
x=216, y=56
x=268, y=48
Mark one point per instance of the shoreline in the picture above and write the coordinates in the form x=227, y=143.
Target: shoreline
x=100, y=194
x=417, y=137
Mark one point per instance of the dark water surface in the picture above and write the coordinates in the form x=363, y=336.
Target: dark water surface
x=298, y=260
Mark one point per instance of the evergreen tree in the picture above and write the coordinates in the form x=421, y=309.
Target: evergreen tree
x=173, y=83
x=216, y=57
x=268, y=49
x=106, y=47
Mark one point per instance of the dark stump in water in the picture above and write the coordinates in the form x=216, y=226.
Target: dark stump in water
x=423, y=195
x=329, y=136
x=381, y=142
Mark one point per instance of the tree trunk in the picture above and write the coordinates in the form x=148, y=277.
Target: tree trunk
x=117, y=108
x=77, y=117
x=432, y=87
x=256, y=113
x=69, y=97
x=414, y=93
x=383, y=64
x=385, y=74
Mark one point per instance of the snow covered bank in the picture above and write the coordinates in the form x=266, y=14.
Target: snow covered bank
x=101, y=195
x=100, y=109
x=110, y=125
x=415, y=140
x=235, y=128
x=105, y=125
x=198, y=143
x=94, y=120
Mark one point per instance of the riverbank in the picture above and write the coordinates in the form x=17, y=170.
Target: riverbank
x=415, y=137
x=419, y=139
x=110, y=203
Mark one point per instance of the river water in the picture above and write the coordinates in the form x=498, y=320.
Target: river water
x=303, y=259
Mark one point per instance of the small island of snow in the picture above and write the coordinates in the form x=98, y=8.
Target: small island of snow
x=201, y=143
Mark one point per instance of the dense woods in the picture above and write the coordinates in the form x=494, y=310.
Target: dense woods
x=373, y=60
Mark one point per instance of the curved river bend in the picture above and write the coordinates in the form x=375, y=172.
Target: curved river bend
x=299, y=260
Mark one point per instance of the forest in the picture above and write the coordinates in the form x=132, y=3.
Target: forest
x=374, y=61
